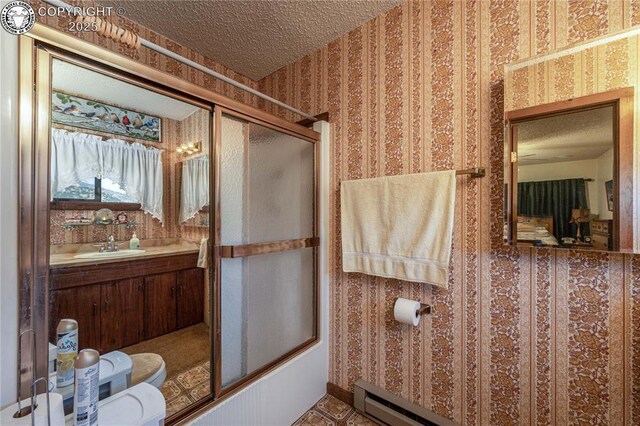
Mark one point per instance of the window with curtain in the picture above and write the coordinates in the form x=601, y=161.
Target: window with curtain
x=556, y=198
x=129, y=171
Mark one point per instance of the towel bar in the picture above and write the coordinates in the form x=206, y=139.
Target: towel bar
x=476, y=172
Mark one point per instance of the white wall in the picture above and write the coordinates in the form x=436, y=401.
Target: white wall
x=605, y=173
x=8, y=215
x=283, y=395
x=587, y=169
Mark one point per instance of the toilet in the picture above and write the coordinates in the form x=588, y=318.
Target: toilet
x=140, y=405
x=118, y=371
x=148, y=368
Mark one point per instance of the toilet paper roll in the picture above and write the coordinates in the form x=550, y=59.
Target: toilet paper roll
x=57, y=412
x=406, y=311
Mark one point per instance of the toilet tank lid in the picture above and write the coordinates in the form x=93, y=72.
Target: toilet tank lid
x=140, y=405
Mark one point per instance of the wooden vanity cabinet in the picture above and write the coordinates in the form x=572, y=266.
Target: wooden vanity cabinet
x=190, y=297
x=122, y=303
x=160, y=303
x=176, y=300
x=81, y=304
x=122, y=314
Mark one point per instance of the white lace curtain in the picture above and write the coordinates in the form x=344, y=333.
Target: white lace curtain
x=195, y=187
x=77, y=157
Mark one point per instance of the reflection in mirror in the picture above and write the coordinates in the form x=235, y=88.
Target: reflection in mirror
x=569, y=173
x=194, y=191
x=129, y=172
x=564, y=162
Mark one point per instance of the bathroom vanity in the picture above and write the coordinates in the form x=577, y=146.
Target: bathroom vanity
x=120, y=302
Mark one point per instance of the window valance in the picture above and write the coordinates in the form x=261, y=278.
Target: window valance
x=77, y=157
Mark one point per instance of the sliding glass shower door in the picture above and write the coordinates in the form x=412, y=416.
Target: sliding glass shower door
x=265, y=247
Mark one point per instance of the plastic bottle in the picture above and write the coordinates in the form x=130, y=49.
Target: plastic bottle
x=134, y=243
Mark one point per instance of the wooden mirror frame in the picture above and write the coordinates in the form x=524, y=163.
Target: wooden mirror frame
x=622, y=102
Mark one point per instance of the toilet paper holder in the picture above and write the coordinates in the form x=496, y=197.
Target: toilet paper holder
x=424, y=309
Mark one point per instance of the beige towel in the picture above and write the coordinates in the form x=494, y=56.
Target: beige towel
x=399, y=226
x=202, y=256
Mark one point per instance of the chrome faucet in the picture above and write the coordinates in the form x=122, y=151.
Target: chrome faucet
x=111, y=244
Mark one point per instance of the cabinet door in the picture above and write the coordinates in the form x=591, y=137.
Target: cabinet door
x=190, y=297
x=160, y=304
x=122, y=313
x=81, y=304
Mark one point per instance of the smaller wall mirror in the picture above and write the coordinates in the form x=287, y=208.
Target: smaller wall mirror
x=569, y=173
x=194, y=191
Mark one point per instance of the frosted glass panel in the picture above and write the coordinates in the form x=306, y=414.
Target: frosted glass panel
x=232, y=180
x=268, y=309
x=267, y=182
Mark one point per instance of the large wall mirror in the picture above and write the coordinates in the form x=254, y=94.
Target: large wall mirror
x=129, y=197
x=571, y=161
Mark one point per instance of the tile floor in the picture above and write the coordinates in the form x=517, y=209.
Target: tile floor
x=330, y=411
x=187, y=387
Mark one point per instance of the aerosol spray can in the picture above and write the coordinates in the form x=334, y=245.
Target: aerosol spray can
x=85, y=398
x=67, y=334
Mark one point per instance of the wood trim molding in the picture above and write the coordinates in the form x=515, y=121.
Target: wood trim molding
x=337, y=392
x=92, y=205
x=307, y=122
x=232, y=252
x=623, y=236
x=569, y=105
x=313, y=137
x=80, y=275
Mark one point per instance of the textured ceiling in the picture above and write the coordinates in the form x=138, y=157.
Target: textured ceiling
x=253, y=37
x=75, y=80
x=581, y=135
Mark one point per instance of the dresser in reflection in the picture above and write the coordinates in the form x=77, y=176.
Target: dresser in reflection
x=601, y=234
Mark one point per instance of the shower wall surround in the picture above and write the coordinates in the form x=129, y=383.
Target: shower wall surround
x=522, y=335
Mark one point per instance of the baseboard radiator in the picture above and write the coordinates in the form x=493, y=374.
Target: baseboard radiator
x=386, y=408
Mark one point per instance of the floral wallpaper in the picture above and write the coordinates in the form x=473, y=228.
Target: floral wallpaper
x=592, y=301
x=522, y=335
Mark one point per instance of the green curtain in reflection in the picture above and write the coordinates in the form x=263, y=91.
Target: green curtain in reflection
x=554, y=198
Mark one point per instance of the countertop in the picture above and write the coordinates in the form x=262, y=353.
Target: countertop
x=63, y=255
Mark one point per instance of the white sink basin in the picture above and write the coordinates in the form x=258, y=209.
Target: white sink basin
x=109, y=254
